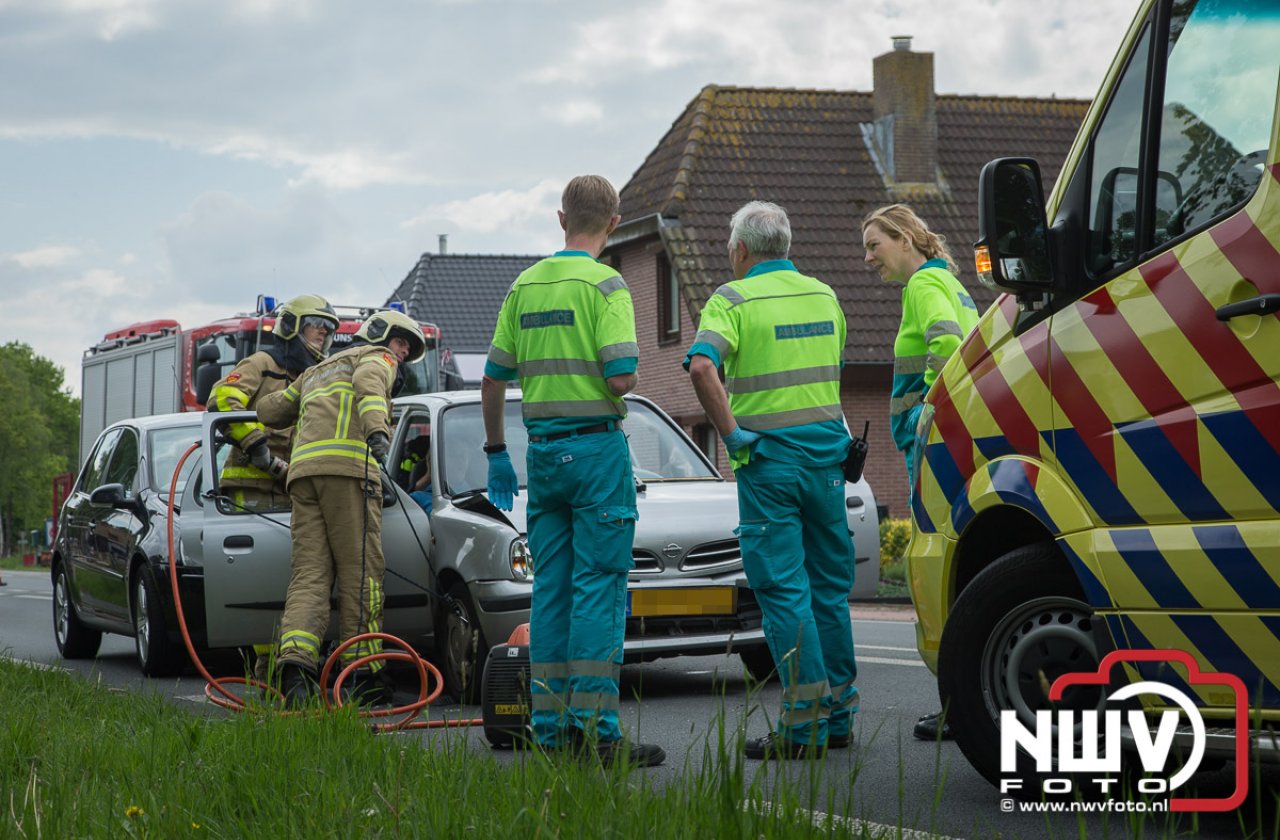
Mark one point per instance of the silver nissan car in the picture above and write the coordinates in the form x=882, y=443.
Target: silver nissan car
x=460, y=579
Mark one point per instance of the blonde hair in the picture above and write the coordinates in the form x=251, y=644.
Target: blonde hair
x=588, y=203
x=899, y=221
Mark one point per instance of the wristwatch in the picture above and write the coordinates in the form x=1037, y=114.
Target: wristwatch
x=494, y=449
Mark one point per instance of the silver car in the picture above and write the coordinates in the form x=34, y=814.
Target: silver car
x=460, y=579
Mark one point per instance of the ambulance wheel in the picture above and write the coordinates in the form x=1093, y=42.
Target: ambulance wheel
x=462, y=646
x=158, y=656
x=758, y=661
x=74, y=639
x=1018, y=626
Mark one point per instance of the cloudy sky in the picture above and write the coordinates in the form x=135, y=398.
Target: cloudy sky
x=176, y=158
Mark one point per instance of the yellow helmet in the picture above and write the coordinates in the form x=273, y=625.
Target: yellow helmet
x=381, y=327
x=296, y=313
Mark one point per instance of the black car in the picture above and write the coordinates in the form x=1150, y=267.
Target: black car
x=110, y=560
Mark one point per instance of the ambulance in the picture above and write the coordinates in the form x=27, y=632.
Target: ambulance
x=1099, y=464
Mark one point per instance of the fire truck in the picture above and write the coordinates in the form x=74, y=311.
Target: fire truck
x=157, y=367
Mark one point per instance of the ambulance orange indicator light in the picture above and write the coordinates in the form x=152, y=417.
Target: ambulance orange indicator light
x=982, y=262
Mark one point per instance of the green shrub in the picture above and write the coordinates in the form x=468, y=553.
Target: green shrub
x=895, y=534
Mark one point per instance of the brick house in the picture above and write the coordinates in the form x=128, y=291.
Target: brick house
x=829, y=157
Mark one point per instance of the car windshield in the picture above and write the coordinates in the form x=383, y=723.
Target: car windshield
x=658, y=451
x=167, y=446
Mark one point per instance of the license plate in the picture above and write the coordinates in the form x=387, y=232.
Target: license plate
x=705, y=600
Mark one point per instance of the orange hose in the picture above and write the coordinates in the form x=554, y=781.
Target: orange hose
x=219, y=695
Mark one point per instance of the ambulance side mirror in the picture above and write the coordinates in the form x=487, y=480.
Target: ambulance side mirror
x=1012, y=251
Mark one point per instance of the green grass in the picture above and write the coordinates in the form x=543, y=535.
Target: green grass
x=14, y=561
x=83, y=760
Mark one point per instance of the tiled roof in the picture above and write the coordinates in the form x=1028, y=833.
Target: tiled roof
x=804, y=149
x=461, y=294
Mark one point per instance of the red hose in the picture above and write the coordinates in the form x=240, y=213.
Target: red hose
x=216, y=692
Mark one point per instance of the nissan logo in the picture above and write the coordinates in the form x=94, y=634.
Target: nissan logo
x=672, y=551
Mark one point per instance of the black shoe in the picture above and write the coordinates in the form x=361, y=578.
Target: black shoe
x=633, y=755
x=774, y=745
x=927, y=728
x=839, y=742
x=297, y=684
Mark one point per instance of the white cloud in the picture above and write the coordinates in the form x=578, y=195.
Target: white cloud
x=47, y=256
x=576, y=112
x=494, y=211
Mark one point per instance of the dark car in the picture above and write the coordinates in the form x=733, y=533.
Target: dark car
x=110, y=561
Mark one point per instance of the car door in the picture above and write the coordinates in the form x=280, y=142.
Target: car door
x=246, y=560
x=115, y=531
x=246, y=555
x=81, y=526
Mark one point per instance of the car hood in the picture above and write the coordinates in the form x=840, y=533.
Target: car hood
x=674, y=518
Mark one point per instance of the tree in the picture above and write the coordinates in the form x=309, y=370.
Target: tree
x=39, y=431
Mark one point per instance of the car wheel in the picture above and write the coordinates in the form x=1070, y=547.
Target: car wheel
x=75, y=641
x=157, y=655
x=1017, y=627
x=462, y=646
x=759, y=663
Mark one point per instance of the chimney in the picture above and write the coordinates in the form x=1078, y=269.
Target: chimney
x=905, y=122
x=444, y=244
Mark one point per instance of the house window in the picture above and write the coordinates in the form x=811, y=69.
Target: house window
x=668, y=302
x=707, y=439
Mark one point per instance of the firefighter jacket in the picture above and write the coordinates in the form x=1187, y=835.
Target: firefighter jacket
x=937, y=313
x=251, y=380
x=335, y=406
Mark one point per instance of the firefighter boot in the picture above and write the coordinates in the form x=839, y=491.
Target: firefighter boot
x=369, y=689
x=297, y=684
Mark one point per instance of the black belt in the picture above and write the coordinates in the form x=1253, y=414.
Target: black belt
x=585, y=430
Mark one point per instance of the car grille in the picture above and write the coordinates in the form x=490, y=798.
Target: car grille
x=712, y=554
x=647, y=563
x=651, y=627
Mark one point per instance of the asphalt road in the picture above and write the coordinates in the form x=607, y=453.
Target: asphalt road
x=886, y=778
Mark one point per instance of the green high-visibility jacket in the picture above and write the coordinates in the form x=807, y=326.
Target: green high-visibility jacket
x=780, y=335
x=937, y=313
x=566, y=325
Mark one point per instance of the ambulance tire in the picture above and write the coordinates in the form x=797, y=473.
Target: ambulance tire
x=158, y=655
x=1019, y=625
x=462, y=648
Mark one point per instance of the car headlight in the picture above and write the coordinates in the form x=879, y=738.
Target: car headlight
x=521, y=559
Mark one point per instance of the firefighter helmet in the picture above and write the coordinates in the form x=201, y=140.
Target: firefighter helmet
x=381, y=327
x=302, y=310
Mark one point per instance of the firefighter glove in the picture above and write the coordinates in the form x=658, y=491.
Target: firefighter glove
x=379, y=446
x=739, y=438
x=503, y=484
x=260, y=455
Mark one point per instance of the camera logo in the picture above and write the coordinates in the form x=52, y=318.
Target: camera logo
x=1087, y=742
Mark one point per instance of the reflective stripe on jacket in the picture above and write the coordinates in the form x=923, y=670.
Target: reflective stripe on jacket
x=252, y=379
x=336, y=405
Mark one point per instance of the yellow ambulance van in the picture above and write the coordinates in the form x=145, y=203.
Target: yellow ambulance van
x=1099, y=464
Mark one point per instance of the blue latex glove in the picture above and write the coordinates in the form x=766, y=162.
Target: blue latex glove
x=503, y=484
x=739, y=438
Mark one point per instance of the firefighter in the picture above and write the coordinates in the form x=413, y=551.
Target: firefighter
x=567, y=329
x=780, y=336
x=341, y=408
x=253, y=476
x=937, y=313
